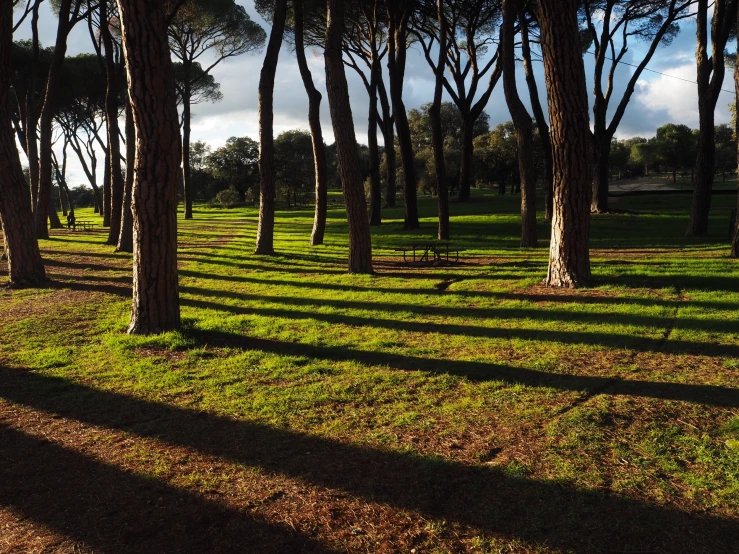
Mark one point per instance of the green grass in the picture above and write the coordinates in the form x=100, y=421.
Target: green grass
x=550, y=411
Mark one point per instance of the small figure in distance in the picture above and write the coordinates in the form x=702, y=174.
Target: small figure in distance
x=70, y=220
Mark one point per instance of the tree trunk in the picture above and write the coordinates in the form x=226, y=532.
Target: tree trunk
x=569, y=256
x=186, y=132
x=125, y=238
x=710, y=79
x=396, y=69
x=602, y=153
x=735, y=238
x=522, y=123
x=24, y=259
x=156, y=306
x=54, y=221
x=114, y=141
x=465, y=169
x=106, y=190
x=541, y=119
x=360, y=240
x=32, y=112
x=316, y=131
x=436, y=129
x=388, y=137
x=46, y=132
x=266, y=229
x=374, y=150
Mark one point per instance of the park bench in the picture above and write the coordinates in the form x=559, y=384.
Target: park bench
x=430, y=253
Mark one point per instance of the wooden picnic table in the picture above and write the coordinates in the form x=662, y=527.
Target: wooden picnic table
x=429, y=253
x=82, y=225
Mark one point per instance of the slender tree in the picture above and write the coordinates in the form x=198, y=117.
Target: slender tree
x=156, y=306
x=266, y=229
x=399, y=14
x=471, y=34
x=360, y=241
x=711, y=72
x=569, y=256
x=21, y=248
x=125, y=237
x=521, y=121
x=655, y=22
x=218, y=28
x=314, y=122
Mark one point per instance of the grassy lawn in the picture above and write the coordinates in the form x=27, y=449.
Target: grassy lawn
x=437, y=409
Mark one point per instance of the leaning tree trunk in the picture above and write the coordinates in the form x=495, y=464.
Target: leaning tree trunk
x=186, y=132
x=388, y=138
x=125, y=237
x=465, y=168
x=156, y=305
x=523, y=125
x=360, y=240
x=601, y=155
x=106, y=190
x=267, y=189
x=114, y=141
x=569, y=256
x=396, y=69
x=46, y=131
x=374, y=149
x=442, y=191
x=24, y=259
x=316, y=131
x=541, y=119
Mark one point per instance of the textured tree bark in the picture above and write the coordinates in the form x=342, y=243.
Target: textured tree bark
x=360, y=240
x=541, y=119
x=111, y=118
x=388, y=138
x=735, y=239
x=442, y=190
x=151, y=89
x=522, y=123
x=46, y=132
x=106, y=190
x=21, y=248
x=397, y=47
x=125, y=237
x=266, y=229
x=569, y=256
x=374, y=149
x=710, y=79
x=186, y=132
x=316, y=131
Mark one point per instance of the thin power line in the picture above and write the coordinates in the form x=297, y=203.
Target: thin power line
x=663, y=74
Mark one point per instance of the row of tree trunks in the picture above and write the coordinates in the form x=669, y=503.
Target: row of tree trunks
x=569, y=256
x=360, y=241
x=522, y=123
x=155, y=306
x=398, y=16
x=316, y=131
x=125, y=237
x=437, y=133
x=267, y=189
x=111, y=117
x=21, y=248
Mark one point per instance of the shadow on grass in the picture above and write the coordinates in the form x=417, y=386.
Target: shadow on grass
x=111, y=510
x=484, y=498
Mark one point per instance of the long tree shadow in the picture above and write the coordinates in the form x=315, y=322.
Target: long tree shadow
x=483, y=498
x=111, y=510
x=594, y=338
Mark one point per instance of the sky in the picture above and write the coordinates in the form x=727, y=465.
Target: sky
x=658, y=99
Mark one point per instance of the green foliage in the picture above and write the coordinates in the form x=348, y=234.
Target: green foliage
x=294, y=167
x=228, y=198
